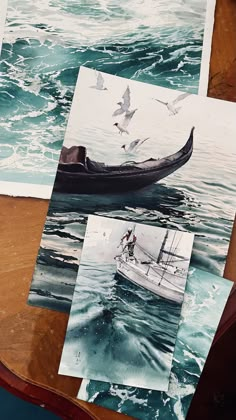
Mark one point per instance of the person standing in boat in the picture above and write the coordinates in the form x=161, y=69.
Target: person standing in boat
x=129, y=240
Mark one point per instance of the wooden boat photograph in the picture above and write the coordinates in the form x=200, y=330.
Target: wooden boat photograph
x=160, y=275
x=77, y=174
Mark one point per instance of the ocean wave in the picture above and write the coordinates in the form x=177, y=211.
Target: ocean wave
x=41, y=58
x=160, y=205
x=101, y=318
x=194, y=339
x=93, y=22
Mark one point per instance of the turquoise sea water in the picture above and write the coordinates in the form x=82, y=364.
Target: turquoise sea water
x=45, y=43
x=204, y=301
x=103, y=341
x=172, y=204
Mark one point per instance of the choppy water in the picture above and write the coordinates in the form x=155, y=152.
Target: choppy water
x=171, y=204
x=102, y=332
x=203, y=304
x=46, y=42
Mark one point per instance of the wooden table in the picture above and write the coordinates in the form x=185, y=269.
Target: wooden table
x=31, y=338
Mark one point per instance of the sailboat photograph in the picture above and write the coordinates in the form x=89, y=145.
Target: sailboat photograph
x=161, y=274
x=127, y=303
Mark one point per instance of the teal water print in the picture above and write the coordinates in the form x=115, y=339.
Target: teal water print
x=46, y=42
x=204, y=301
x=126, y=305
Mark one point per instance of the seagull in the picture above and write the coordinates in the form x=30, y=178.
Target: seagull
x=124, y=106
x=171, y=105
x=121, y=129
x=100, y=83
x=126, y=120
x=134, y=145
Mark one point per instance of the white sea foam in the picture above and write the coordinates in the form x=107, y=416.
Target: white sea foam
x=127, y=394
x=82, y=28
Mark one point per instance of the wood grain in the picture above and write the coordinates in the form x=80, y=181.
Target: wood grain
x=31, y=338
x=222, y=80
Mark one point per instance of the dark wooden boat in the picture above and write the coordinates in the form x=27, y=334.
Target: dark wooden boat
x=77, y=174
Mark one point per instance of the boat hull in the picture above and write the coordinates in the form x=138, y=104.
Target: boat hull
x=156, y=284
x=120, y=179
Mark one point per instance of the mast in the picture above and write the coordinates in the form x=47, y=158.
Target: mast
x=162, y=247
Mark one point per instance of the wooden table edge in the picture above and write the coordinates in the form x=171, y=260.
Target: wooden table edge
x=43, y=396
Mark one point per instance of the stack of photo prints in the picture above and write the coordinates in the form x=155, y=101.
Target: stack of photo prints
x=140, y=169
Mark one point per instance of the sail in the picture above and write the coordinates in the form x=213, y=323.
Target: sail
x=168, y=253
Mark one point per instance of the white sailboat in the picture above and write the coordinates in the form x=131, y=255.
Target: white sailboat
x=159, y=275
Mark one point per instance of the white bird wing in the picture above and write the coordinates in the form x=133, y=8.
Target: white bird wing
x=119, y=111
x=161, y=102
x=100, y=81
x=133, y=144
x=128, y=116
x=181, y=97
x=142, y=141
x=126, y=98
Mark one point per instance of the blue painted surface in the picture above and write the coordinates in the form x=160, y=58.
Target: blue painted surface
x=13, y=408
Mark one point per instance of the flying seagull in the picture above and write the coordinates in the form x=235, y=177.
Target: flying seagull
x=122, y=127
x=100, y=83
x=124, y=106
x=134, y=145
x=127, y=118
x=171, y=105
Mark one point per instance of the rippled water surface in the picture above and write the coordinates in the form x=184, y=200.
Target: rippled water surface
x=104, y=342
x=204, y=301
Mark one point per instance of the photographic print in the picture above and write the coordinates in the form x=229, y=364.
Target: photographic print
x=204, y=301
x=127, y=302
x=141, y=153
x=45, y=43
